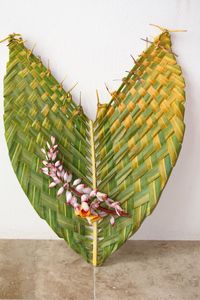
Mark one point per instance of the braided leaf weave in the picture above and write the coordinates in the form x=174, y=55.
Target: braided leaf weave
x=128, y=152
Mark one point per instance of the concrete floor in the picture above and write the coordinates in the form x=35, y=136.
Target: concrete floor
x=140, y=270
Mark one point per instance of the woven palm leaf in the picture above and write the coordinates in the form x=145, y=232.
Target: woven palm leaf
x=128, y=152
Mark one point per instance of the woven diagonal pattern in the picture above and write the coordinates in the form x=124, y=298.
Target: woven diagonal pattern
x=128, y=152
x=37, y=107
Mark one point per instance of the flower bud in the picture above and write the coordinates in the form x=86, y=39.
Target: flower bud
x=53, y=139
x=102, y=196
x=68, y=197
x=84, y=198
x=87, y=190
x=77, y=181
x=93, y=193
x=85, y=206
x=112, y=220
x=52, y=184
x=80, y=187
x=57, y=164
x=60, y=191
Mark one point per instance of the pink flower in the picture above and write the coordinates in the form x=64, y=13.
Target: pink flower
x=95, y=204
x=57, y=164
x=45, y=171
x=102, y=196
x=49, y=154
x=74, y=201
x=56, y=180
x=58, y=173
x=109, y=201
x=87, y=190
x=62, y=174
x=93, y=193
x=77, y=181
x=84, y=198
x=52, y=184
x=60, y=168
x=89, y=205
x=117, y=208
x=67, y=177
x=54, y=156
x=80, y=187
x=85, y=206
x=60, y=191
x=68, y=197
x=102, y=214
x=77, y=208
x=112, y=220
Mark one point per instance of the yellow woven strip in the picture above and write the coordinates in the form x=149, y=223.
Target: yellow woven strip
x=94, y=252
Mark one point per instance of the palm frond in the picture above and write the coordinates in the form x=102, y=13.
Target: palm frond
x=128, y=152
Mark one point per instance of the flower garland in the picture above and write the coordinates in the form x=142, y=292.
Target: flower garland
x=87, y=203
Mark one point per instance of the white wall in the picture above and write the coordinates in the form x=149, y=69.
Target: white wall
x=91, y=42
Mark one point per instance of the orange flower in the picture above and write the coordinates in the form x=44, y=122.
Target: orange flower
x=83, y=210
x=82, y=213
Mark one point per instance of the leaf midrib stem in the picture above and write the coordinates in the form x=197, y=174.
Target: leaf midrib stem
x=94, y=185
